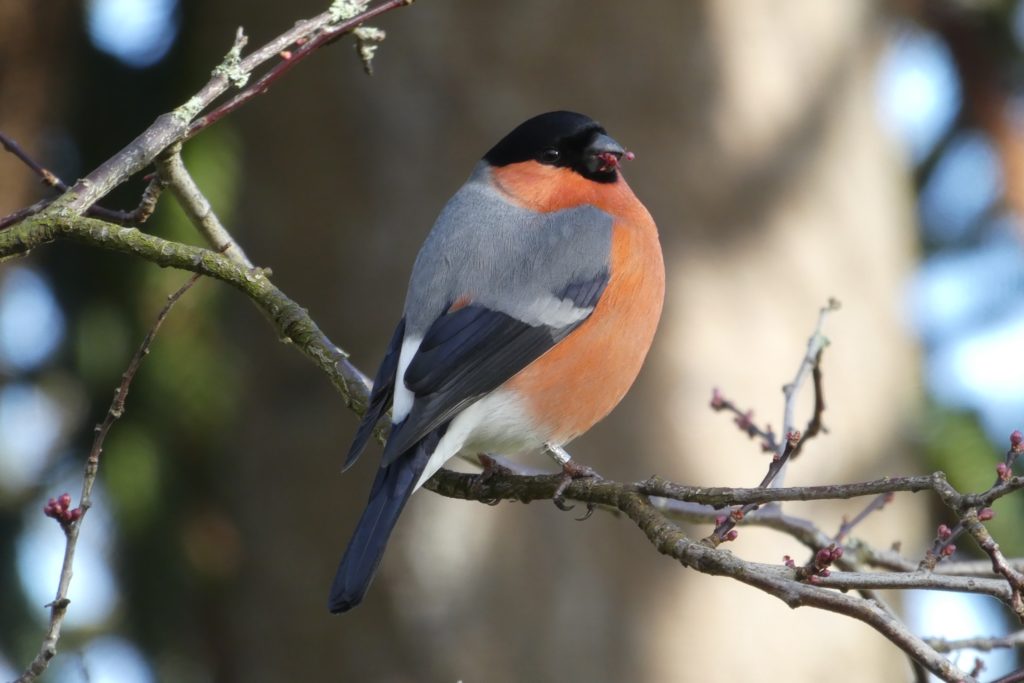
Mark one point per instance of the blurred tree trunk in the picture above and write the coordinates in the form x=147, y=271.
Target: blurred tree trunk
x=31, y=89
x=760, y=158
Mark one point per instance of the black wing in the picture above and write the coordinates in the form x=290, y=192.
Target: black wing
x=468, y=353
x=380, y=396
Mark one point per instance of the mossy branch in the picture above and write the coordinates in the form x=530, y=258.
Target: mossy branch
x=292, y=321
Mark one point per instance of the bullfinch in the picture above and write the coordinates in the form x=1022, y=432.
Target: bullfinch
x=531, y=307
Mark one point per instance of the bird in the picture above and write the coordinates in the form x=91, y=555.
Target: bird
x=531, y=307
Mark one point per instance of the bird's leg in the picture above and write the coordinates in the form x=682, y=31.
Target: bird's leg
x=571, y=470
x=491, y=467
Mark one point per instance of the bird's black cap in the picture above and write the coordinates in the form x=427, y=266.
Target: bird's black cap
x=561, y=138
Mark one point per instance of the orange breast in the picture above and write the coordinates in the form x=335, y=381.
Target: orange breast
x=580, y=380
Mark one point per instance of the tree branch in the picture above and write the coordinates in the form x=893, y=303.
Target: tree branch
x=136, y=217
x=196, y=206
x=174, y=126
x=1015, y=639
x=291, y=321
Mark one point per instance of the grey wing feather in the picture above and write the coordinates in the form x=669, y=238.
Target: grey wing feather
x=505, y=257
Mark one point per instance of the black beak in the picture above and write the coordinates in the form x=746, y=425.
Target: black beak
x=603, y=154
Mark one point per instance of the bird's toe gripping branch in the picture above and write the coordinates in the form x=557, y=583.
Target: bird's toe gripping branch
x=571, y=470
x=491, y=467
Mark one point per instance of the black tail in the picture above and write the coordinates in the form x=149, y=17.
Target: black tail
x=388, y=496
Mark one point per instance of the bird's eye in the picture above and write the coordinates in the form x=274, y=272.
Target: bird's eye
x=549, y=156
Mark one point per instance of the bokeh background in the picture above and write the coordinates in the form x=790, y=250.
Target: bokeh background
x=790, y=151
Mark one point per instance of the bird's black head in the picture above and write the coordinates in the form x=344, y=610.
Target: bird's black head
x=561, y=138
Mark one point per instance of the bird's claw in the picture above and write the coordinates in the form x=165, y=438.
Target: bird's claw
x=571, y=471
x=590, y=511
x=490, y=469
x=559, y=498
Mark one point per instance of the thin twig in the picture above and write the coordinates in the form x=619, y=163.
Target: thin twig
x=723, y=496
x=1014, y=578
x=23, y=213
x=174, y=126
x=50, y=178
x=47, y=176
x=197, y=207
x=811, y=363
x=147, y=204
x=289, y=60
x=291, y=321
x=877, y=503
x=815, y=425
x=744, y=419
x=59, y=606
x=725, y=529
x=986, y=644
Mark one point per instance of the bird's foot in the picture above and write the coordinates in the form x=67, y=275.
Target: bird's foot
x=491, y=467
x=571, y=471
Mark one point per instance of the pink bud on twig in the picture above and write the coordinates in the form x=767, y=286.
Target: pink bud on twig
x=717, y=402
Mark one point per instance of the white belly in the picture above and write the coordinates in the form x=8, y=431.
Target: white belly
x=497, y=423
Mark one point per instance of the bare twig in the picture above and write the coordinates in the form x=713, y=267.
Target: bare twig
x=877, y=503
x=815, y=425
x=197, y=207
x=744, y=419
x=175, y=126
x=984, y=644
x=983, y=538
x=778, y=581
x=50, y=178
x=810, y=363
x=289, y=60
x=59, y=606
x=147, y=204
x=23, y=213
x=722, y=496
x=291, y=321
x=47, y=176
x=725, y=529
